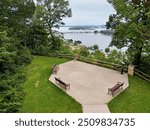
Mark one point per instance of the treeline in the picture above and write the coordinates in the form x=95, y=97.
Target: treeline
x=15, y=19
x=131, y=26
x=25, y=29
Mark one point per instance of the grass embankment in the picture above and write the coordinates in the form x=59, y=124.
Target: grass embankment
x=41, y=96
x=135, y=99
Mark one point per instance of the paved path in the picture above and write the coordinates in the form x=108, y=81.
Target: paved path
x=89, y=84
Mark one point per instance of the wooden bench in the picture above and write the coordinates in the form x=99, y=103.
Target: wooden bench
x=112, y=90
x=62, y=83
x=55, y=69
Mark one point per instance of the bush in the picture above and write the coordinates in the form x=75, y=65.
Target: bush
x=99, y=55
x=23, y=57
x=84, y=52
x=145, y=65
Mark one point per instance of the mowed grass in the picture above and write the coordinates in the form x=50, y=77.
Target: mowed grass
x=41, y=96
x=135, y=99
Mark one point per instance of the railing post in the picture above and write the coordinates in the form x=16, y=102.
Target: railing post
x=76, y=57
x=131, y=70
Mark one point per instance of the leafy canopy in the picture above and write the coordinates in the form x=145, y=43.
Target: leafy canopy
x=50, y=13
x=131, y=24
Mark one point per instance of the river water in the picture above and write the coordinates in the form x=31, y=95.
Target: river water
x=87, y=39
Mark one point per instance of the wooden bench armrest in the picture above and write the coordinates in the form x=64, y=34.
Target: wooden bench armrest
x=109, y=89
x=65, y=85
x=114, y=88
x=119, y=82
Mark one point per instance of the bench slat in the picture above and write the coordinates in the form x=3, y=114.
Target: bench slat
x=114, y=88
x=62, y=83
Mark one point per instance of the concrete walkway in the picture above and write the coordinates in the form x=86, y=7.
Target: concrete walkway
x=89, y=84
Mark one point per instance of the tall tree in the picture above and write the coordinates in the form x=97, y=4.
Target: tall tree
x=131, y=24
x=36, y=38
x=15, y=16
x=51, y=13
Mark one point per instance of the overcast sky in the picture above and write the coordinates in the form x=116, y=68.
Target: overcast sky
x=89, y=12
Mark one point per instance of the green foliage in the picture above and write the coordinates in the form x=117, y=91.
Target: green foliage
x=36, y=36
x=23, y=56
x=99, y=55
x=58, y=44
x=117, y=57
x=145, y=64
x=131, y=25
x=95, y=47
x=107, y=50
x=51, y=13
x=66, y=49
x=15, y=19
x=84, y=52
x=11, y=93
x=16, y=15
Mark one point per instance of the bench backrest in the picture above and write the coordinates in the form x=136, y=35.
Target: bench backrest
x=60, y=81
x=116, y=86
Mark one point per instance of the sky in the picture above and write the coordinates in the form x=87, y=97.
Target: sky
x=89, y=12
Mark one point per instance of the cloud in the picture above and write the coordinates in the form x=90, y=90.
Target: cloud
x=94, y=12
x=89, y=12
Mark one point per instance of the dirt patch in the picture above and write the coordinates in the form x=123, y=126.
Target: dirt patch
x=37, y=84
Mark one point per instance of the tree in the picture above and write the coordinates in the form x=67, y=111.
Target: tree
x=99, y=55
x=37, y=36
x=117, y=57
x=131, y=24
x=84, y=51
x=95, y=47
x=15, y=18
x=11, y=92
x=107, y=50
x=51, y=14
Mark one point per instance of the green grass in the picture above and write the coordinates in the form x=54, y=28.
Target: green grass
x=135, y=99
x=44, y=97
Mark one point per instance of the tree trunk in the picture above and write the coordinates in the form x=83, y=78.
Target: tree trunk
x=53, y=40
x=137, y=57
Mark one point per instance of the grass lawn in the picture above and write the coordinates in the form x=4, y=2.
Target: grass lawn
x=135, y=99
x=41, y=96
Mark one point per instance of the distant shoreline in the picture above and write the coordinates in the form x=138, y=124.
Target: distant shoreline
x=87, y=29
x=105, y=32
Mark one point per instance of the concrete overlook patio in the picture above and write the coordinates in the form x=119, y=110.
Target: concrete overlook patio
x=89, y=84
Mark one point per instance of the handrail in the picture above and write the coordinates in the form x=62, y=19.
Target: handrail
x=142, y=76
x=142, y=73
x=91, y=61
x=102, y=63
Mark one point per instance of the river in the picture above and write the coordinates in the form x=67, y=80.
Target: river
x=87, y=39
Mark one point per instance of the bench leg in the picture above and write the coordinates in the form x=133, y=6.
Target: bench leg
x=113, y=94
x=108, y=91
x=121, y=87
x=65, y=88
x=69, y=86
